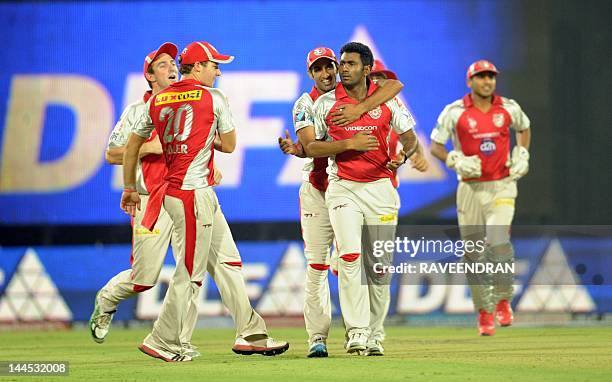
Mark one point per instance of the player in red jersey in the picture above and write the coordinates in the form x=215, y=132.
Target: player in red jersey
x=479, y=125
x=317, y=231
x=192, y=119
x=360, y=190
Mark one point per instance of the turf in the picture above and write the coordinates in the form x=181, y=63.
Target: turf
x=412, y=354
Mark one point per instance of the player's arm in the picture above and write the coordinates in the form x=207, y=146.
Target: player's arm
x=523, y=138
x=225, y=139
x=350, y=113
x=412, y=150
x=114, y=155
x=362, y=141
x=226, y=142
x=465, y=167
x=130, y=200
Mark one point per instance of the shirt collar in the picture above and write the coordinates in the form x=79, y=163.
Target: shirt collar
x=341, y=91
x=468, y=102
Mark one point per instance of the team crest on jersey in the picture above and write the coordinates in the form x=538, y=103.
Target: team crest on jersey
x=375, y=113
x=472, y=123
x=498, y=119
x=172, y=97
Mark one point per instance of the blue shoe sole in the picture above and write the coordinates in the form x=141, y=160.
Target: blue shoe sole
x=319, y=351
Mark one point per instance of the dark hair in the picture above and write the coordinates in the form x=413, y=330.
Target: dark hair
x=185, y=68
x=150, y=71
x=367, y=58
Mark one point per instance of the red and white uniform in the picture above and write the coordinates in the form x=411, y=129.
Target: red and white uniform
x=317, y=231
x=186, y=116
x=149, y=248
x=485, y=205
x=484, y=134
x=360, y=191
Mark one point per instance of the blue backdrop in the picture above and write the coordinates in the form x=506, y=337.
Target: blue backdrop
x=70, y=68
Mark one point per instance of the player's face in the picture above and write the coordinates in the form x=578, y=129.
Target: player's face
x=210, y=71
x=352, y=70
x=377, y=77
x=164, y=71
x=323, y=72
x=483, y=84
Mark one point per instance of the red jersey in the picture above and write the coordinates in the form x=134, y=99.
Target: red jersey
x=354, y=165
x=484, y=134
x=186, y=115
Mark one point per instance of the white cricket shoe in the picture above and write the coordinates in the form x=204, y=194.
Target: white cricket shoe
x=266, y=346
x=191, y=350
x=356, y=341
x=99, y=322
x=374, y=347
x=155, y=352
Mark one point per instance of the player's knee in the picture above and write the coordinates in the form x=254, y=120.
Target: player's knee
x=350, y=257
x=501, y=252
x=141, y=288
x=318, y=266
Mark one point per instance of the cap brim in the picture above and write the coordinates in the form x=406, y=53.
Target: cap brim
x=496, y=72
x=389, y=74
x=222, y=59
x=320, y=57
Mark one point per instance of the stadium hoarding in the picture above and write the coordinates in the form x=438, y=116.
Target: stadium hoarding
x=59, y=283
x=65, y=94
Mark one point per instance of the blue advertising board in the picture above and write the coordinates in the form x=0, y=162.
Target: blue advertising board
x=71, y=67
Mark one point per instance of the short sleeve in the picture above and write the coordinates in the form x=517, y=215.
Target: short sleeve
x=144, y=124
x=520, y=121
x=444, y=126
x=223, y=113
x=319, y=121
x=121, y=132
x=303, y=113
x=401, y=118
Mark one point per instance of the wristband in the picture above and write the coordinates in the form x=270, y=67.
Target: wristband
x=409, y=154
x=129, y=189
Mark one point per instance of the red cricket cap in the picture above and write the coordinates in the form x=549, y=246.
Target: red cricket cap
x=167, y=47
x=200, y=51
x=320, y=52
x=379, y=67
x=481, y=66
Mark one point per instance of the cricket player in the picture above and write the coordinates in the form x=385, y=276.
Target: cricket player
x=360, y=189
x=193, y=119
x=479, y=125
x=317, y=232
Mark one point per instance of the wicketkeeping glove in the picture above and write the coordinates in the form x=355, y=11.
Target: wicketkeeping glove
x=466, y=167
x=519, y=162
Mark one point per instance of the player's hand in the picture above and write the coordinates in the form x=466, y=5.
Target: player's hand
x=130, y=201
x=466, y=167
x=286, y=144
x=519, y=162
x=363, y=141
x=418, y=161
x=346, y=114
x=396, y=162
x=217, y=176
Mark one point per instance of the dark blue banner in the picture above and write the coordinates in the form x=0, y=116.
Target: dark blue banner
x=70, y=68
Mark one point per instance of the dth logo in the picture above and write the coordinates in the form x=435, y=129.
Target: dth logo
x=361, y=128
x=487, y=146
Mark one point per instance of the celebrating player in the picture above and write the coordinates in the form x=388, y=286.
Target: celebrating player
x=479, y=125
x=192, y=117
x=360, y=190
x=316, y=227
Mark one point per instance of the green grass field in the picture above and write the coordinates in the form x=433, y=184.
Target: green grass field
x=412, y=354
